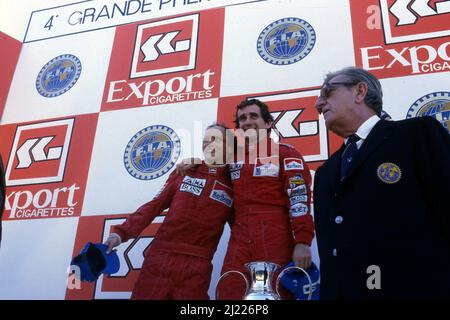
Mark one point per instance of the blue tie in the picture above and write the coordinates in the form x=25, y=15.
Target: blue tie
x=348, y=155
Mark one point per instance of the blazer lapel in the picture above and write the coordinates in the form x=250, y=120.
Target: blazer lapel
x=379, y=133
x=332, y=169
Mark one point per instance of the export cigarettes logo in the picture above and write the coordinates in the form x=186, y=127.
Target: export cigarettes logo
x=167, y=61
x=165, y=46
x=39, y=153
x=411, y=20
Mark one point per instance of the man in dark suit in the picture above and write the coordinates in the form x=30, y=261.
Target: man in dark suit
x=2, y=194
x=380, y=202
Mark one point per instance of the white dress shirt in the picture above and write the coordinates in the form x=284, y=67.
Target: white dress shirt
x=364, y=130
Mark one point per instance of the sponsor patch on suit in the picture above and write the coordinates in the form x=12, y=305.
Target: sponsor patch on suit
x=298, y=210
x=266, y=167
x=297, y=199
x=235, y=170
x=193, y=185
x=222, y=193
x=293, y=164
x=297, y=191
x=296, y=181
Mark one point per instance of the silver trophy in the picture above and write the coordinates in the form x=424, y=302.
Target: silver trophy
x=261, y=274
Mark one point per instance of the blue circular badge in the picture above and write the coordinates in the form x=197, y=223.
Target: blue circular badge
x=286, y=41
x=435, y=104
x=58, y=75
x=389, y=172
x=152, y=152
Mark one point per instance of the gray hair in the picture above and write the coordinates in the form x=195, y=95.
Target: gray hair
x=374, y=96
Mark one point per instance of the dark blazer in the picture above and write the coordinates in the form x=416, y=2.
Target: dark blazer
x=400, y=223
x=2, y=194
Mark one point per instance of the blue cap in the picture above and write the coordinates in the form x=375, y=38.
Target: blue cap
x=297, y=283
x=93, y=261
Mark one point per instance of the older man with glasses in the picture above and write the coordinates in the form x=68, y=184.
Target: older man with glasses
x=382, y=221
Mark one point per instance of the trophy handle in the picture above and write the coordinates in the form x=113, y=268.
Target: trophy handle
x=298, y=268
x=226, y=274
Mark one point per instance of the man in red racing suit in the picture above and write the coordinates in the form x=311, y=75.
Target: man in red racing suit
x=177, y=264
x=272, y=220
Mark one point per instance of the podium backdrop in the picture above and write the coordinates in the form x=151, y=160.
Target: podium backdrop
x=94, y=84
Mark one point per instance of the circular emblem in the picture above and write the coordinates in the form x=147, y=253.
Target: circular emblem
x=58, y=75
x=389, y=172
x=435, y=104
x=152, y=152
x=286, y=41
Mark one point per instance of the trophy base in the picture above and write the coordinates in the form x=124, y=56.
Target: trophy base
x=261, y=296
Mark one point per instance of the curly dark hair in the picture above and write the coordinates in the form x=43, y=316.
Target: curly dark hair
x=265, y=113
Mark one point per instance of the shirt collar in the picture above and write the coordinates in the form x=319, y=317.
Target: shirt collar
x=364, y=130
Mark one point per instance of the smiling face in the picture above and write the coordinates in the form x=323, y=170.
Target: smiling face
x=250, y=117
x=214, y=146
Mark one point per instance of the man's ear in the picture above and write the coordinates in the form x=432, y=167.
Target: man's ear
x=361, y=92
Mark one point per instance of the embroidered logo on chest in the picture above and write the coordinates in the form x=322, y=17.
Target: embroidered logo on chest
x=222, y=193
x=389, y=172
x=293, y=164
x=193, y=185
x=266, y=167
x=235, y=170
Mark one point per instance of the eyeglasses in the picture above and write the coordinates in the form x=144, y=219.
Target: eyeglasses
x=328, y=88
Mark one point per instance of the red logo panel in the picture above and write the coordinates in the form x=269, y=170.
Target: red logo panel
x=165, y=46
x=47, y=167
x=9, y=54
x=415, y=19
x=399, y=38
x=131, y=254
x=165, y=61
x=295, y=119
x=39, y=153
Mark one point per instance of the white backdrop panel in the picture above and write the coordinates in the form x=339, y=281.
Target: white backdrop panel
x=34, y=258
x=110, y=188
x=24, y=102
x=398, y=96
x=244, y=71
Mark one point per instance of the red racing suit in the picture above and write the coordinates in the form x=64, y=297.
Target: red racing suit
x=177, y=264
x=272, y=200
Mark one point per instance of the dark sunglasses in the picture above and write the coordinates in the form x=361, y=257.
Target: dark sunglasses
x=328, y=87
